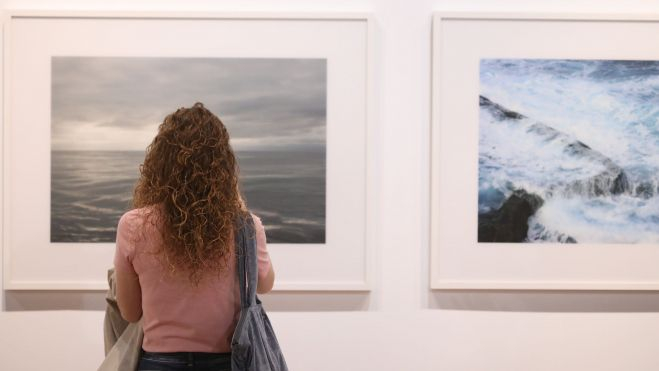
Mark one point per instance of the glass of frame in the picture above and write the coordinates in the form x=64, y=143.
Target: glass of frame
x=545, y=152
x=86, y=91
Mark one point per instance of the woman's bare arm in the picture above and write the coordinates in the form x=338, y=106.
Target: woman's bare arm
x=129, y=295
x=265, y=284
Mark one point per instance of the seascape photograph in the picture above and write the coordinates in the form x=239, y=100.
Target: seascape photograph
x=568, y=151
x=106, y=111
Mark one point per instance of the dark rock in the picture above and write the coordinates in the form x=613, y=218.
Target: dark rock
x=612, y=181
x=509, y=223
x=644, y=190
x=620, y=183
x=541, y=233
x=546, y=132
x=577, y=148
x=582, y=144
x=499, y=111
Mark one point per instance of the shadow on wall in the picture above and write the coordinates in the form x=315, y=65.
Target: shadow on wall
x=545, y=301
x=308, y=301
x=273, y=302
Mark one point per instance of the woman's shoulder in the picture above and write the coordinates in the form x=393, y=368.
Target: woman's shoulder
x=135, y=219
x=135, y=215
x=136, y=225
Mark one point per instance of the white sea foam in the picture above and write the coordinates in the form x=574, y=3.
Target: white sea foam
x=303, y=221
x=94, y=209
x=618, y=117
x=509, y=153
x=100, y=229
x=265, y=213
x=618, y=219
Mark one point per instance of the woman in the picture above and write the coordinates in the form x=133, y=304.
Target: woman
x=175, y=259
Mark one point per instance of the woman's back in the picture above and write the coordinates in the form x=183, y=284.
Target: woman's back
x=179, y=316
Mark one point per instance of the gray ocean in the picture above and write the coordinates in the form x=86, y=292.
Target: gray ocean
x=90, y=190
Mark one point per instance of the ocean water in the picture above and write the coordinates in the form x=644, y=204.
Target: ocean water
x=611, y=107
x=287, y=191
x=90, y=190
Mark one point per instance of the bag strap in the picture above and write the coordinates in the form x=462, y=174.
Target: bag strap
x=246, y=260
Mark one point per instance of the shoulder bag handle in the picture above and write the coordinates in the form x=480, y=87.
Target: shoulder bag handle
x=246, y=260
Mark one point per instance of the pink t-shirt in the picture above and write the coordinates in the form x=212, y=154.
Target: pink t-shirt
x=179, y=317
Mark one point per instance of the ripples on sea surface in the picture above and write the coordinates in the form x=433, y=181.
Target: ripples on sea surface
x=90, y=190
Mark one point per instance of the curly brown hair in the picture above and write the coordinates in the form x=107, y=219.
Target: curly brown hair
x=191, y=174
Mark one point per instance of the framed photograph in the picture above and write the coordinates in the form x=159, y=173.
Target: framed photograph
x=545, y=152
x=85, y=93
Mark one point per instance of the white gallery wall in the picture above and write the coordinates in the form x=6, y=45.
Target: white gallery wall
x=400, y=324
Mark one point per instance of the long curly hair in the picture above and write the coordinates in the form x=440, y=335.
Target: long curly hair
x=190, y=175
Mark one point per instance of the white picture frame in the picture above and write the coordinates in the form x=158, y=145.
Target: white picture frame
x=457, y=261
x=32, y=262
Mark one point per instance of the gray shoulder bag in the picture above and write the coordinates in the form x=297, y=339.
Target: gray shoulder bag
x=254, y=346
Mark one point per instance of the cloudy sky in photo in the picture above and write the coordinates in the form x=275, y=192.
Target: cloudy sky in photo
x=117, y=103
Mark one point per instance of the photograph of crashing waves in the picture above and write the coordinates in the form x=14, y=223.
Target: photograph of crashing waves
x=568, y=151
x=106, y=110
